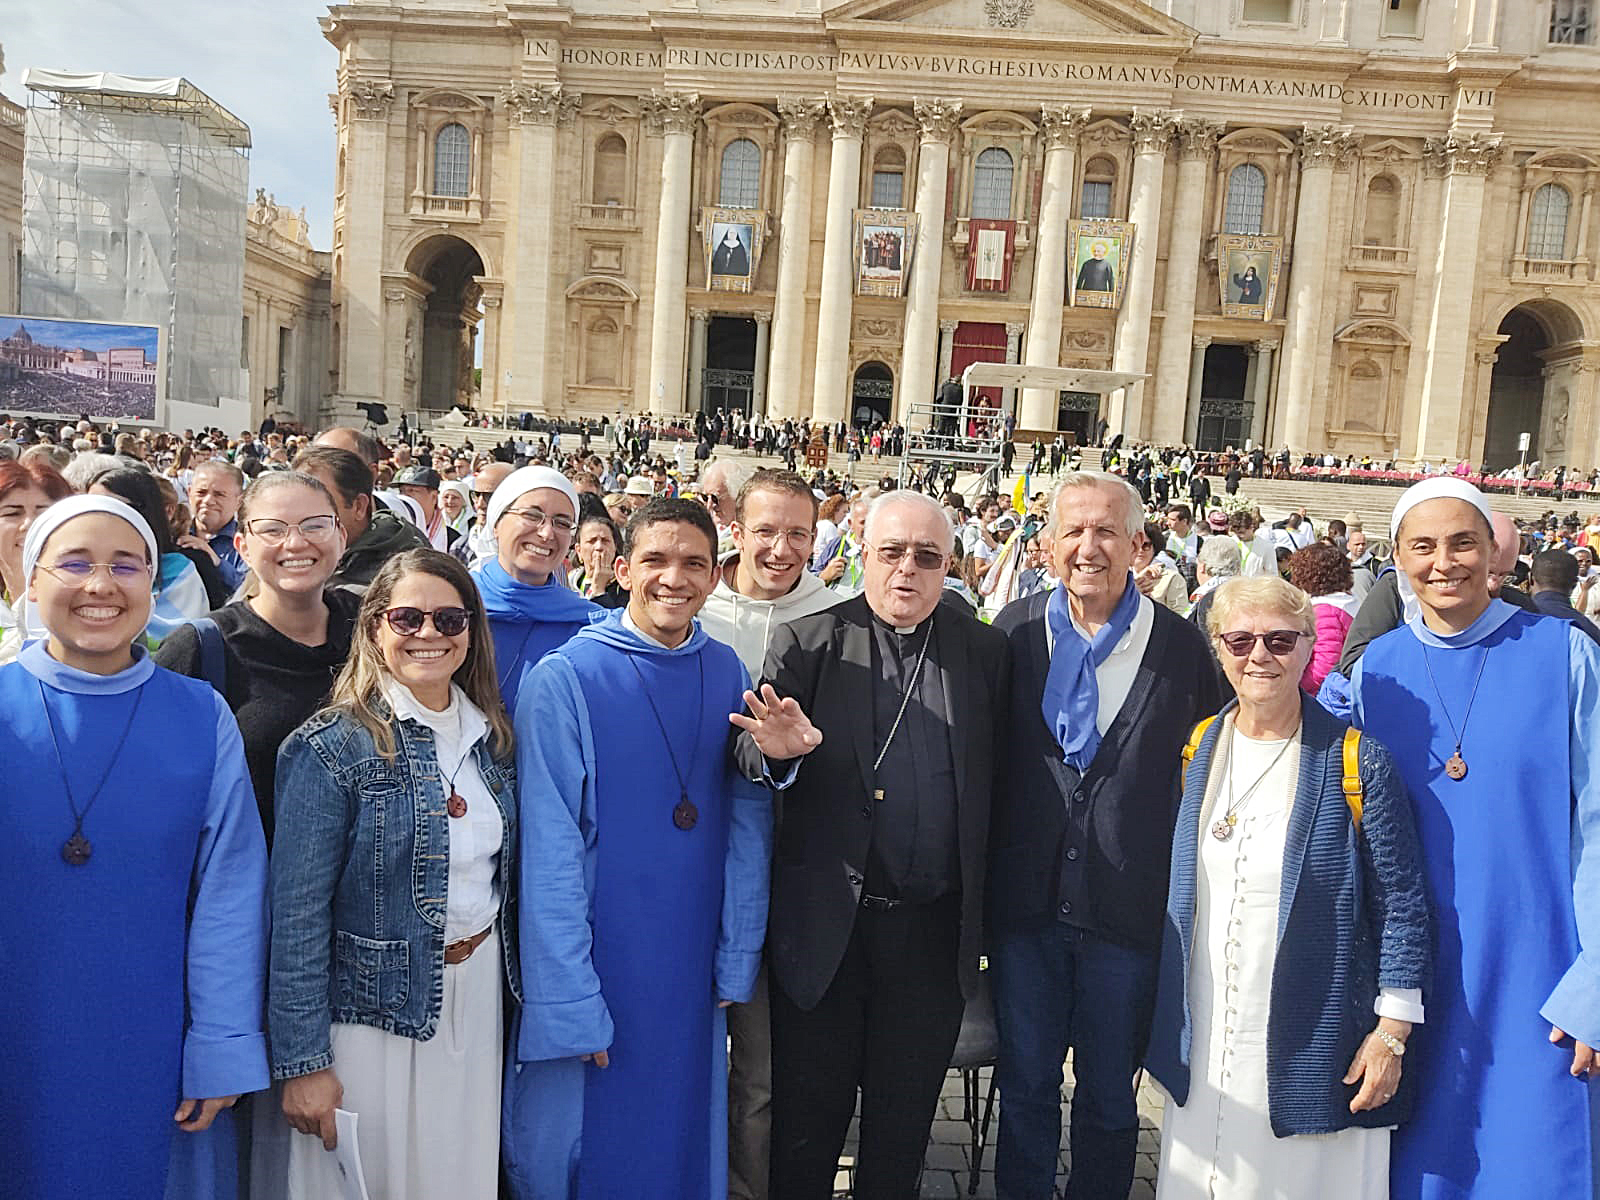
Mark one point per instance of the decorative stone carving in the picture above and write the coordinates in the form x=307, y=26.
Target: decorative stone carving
x=1200, y=343
x=937, y=119
x=373, y=98
x=672, y=112
x=849, y=114
x=801, y=117
x=1015, y=328
x=1197, y=138
x=946, y=325
x=1265, y=346
x=1436, y=157
x=1152, y=129
x=1474, y=154
x=1085, y=339
x=1008, y=14
x=540, y=103
x=1062, y=125
x=883, y=329
x=394, y=295
x=762, y=318
x=1323, y=146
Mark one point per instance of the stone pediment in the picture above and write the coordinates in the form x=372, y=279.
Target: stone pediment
x=1122, y=19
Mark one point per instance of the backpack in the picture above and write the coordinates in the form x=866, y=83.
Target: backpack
x=1354, y=795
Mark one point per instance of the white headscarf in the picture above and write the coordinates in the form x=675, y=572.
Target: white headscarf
x=522, y=481
x=64, y=510
x=1438, y=487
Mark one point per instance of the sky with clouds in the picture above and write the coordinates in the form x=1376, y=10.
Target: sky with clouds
x=265, y=61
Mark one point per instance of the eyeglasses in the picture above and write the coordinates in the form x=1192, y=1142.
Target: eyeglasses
x=406, y=621
x=1278, y=641
x=798, y=539
x=538, y=517
x=77, y=571
x=926, y=558
x=275, y=533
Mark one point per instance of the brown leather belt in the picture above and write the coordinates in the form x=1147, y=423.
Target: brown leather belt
x=459, y=952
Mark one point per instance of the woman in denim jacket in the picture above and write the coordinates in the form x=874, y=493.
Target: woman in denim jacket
x=392, y=925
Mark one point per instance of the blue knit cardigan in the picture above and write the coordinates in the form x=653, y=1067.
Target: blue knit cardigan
x=1353, y=916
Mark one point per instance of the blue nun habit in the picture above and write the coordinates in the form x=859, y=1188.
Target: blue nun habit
x=527, y=622
x=632, y=929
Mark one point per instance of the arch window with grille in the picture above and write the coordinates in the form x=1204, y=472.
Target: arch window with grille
x=1571, y=22
x=452, y=160
x=1547, y=222
x=991, y=185
x=1247, y=199
x=1099, y=179
x=889, y=178
x=740, y=185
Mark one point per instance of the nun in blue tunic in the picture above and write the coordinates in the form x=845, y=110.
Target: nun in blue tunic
x=1494, y=728
x=134, y=954
x=644, y=905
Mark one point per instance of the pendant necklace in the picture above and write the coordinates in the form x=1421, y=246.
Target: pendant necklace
x=905, y=701
x=1456, y=766
x=455, y=803
x=684, y=814
x=77, y=848
x=1222, y=830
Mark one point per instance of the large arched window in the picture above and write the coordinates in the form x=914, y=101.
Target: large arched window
x=610, y=185
x=1382, y=225
x=1099, y=179
x=889, y=178
x=452, y=160
x=1547, y=222
x=1247, y=199
x=740, y=185
x=991, y=185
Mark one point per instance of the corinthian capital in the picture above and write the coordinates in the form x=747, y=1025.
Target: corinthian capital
x=1473, y=153
x=1152, y=129
x=672, y=112
x=1062, y=125
x=540, y=103
x=849, y=114
x=938, y=118
x=802, y=116
x=1325, y=145
x=373, y=98
x=1197, y=138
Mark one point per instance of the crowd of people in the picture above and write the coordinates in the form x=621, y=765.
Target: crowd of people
x=570, y=819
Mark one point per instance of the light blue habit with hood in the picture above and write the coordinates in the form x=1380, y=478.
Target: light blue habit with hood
x=632, y=927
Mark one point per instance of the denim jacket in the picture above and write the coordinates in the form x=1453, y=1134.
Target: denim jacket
x=360, y=873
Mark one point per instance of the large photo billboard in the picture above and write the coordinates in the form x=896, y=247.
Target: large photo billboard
x=59, y=368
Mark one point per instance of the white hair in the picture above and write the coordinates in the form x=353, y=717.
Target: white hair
x=905, y=498
x=1132, y=502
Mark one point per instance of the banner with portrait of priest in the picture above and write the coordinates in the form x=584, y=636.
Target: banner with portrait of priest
x=1098, y=257
x=732, y=239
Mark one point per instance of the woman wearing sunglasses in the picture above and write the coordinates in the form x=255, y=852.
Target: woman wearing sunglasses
x=396, y=840
x=1297, y=941
x=273, y=656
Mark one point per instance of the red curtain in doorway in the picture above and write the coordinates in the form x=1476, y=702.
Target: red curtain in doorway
x=978, y=341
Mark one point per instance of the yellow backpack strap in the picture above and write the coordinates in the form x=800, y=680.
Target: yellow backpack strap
x=1352, y=774
x=1194, y=741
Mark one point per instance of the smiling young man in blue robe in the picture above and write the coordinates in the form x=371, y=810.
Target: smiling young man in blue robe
x=644, y=888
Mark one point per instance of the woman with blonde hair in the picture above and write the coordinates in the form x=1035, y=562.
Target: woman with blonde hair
x=391, y=940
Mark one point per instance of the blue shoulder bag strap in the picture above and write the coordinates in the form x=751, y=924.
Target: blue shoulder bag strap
x=213, y=655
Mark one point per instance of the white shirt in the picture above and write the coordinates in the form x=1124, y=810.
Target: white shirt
x=1115, y=675
x=473, y=895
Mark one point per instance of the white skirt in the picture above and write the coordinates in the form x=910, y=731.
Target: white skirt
x=429, y=1111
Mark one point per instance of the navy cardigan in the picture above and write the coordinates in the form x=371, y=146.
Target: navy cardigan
x=1353, y=917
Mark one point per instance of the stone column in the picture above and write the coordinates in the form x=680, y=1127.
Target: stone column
x=1449, y=335
x=360, y=294
x=1263, y=391
x=1152, y=133
x=947, y=347
x=758, y=392
x=1320, y=148
x=1061, y=125
x=800, y=118
x=1424, y=244
x=674, y=115
x=1197, y=370
x=1197, y=140
x=1008, y=396
x=534, y=339
x=697, y=361
x=831, y=386
x=491, y=394
x=938, y=119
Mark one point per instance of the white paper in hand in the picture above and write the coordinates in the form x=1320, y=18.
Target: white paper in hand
x=347, y=1157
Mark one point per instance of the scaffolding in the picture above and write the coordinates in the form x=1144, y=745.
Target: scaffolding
x=134, y=194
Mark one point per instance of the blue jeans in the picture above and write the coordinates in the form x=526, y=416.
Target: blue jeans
x=1057, y=987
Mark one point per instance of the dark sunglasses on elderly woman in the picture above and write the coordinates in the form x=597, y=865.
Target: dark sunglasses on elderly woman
x=1279, y=641
x=407, y=621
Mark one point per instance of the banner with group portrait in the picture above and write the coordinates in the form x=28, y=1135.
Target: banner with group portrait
x=885, y=242
x=1098, y=256
x=1248, y=266
x=732, y=239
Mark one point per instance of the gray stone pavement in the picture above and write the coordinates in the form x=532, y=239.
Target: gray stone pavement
x=946, y=1170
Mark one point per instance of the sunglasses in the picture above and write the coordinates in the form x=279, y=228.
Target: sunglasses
x=925, y=558
x=1278, y=641
x=406, y=621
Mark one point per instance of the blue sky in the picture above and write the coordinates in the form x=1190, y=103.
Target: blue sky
x=265, y=61
x=74, y=335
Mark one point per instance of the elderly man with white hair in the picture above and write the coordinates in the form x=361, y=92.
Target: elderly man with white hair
x=1106, y=687
x=884, y=719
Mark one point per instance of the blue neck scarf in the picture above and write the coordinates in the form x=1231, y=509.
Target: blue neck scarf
x=505, y=599
x=1071, y=691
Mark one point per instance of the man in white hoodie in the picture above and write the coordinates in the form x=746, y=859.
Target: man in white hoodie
x=763, y=586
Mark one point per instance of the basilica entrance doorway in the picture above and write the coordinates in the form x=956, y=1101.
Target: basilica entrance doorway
x=1225, y=413
x=440, y=356
x=728, y=382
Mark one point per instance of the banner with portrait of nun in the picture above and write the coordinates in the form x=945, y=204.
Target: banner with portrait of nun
x=1248, y=265
x=732, y=238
